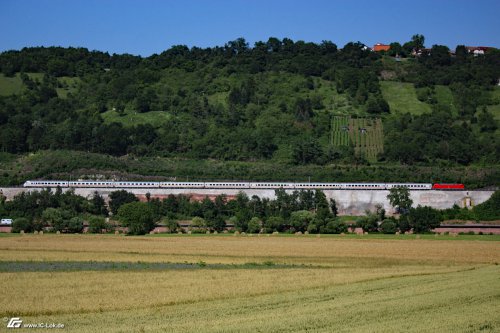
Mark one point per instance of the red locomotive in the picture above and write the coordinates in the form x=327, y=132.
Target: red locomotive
x=448, y=186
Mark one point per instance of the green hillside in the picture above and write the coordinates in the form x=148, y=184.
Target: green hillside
x=280, y=102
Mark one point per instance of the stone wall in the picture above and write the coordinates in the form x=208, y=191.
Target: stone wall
x=349, y=202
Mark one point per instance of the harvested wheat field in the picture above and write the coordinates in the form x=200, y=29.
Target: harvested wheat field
x=220, y=283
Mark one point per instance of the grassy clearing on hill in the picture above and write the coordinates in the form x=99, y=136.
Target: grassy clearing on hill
x=132, y=118
x=403, y=98
x=14, y=85
x=10, y=85
x=495, y=108
x=354, y=285
x=67, y=85
x=445, y=97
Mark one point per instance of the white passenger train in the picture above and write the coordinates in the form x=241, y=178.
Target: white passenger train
x=224, y=185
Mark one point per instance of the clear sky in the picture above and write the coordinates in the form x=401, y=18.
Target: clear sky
x=144, y=27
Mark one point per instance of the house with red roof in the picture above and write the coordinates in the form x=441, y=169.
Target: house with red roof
x=381, y=47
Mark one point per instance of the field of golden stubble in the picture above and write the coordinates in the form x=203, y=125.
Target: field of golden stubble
x=244, y=249
x=305, y=283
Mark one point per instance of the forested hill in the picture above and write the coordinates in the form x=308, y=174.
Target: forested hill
x=281, y=101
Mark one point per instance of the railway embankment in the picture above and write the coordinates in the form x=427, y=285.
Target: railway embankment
x=349, y=202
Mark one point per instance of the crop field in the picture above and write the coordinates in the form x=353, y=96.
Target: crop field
x=226, y=283
x=340, y=131
x=367, y=136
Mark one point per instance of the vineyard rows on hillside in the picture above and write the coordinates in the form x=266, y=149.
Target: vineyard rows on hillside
x=366, y=135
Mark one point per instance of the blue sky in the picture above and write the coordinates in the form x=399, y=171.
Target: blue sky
x=145, y=27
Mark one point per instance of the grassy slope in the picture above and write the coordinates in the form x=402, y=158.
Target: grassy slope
x=402, y=97
x=10, y=85
x=68, y=85
x=495, y=108
x=368, y=285
x=14, y=85
x=445, y=97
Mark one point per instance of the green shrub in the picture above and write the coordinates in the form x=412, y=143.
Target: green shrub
x=299, y=220
x=171, y=225
x=404, y=223
x=424, y=218
x=313, y=228
x=334, y=227
x=254, y=225
x=274, y=223
x=388, y=226
x=119, y=198
x=368, y=223
x=54, y=218
x=138, y=217
x=490, y=209
x=97, y=225
x=22, y=224
x=75, y=225
x=198, y=225
x=60, y=220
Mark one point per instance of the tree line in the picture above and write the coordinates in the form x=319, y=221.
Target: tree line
x=299, y=211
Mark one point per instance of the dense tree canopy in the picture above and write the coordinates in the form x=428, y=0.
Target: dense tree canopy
x=273, y=100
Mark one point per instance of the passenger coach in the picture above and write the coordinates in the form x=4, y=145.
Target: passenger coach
x=241, y=185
